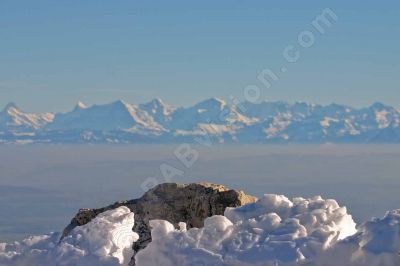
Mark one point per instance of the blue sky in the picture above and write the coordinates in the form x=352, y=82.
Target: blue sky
x=55, y=53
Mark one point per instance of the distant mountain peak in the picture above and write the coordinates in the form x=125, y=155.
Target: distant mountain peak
x=119, y=102
x=13, y=118
x=157, y=107
x=216, y=100
x=212, y=102
x=377, y=105
x=158, y=101
x=121, y=105
x=10, y=106
x=80, y=106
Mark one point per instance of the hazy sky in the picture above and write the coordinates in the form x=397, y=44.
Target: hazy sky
x=54, y=53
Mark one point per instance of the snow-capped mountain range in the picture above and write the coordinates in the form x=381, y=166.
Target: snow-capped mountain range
x=212, y=119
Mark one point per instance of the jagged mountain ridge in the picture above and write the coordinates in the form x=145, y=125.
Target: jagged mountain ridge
x=12, y=118
x=158, y=122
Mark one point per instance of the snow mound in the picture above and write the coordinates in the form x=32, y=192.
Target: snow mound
x=107, y=240
x=272, y=231
x=377, y=243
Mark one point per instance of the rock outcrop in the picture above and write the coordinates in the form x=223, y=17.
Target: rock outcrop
x=189, y=203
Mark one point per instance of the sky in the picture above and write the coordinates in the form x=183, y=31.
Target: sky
x=56, y=53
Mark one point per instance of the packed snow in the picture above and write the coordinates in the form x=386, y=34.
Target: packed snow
x=273, y=231
x=106, y=240
x=377, y=243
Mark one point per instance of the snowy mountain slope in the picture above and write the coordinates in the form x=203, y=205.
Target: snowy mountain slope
x=160, y=111
x=115, y=116
x=212, y=111
x=158, y=122
x=12, y=118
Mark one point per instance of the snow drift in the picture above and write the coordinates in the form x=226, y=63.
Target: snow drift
x=107, y=240
x=273, y=231
x=377, y=243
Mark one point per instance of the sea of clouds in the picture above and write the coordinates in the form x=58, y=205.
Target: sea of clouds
x=273, y=231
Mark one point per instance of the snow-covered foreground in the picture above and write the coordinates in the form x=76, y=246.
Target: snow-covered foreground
x=106, y=240
x=273, y=231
